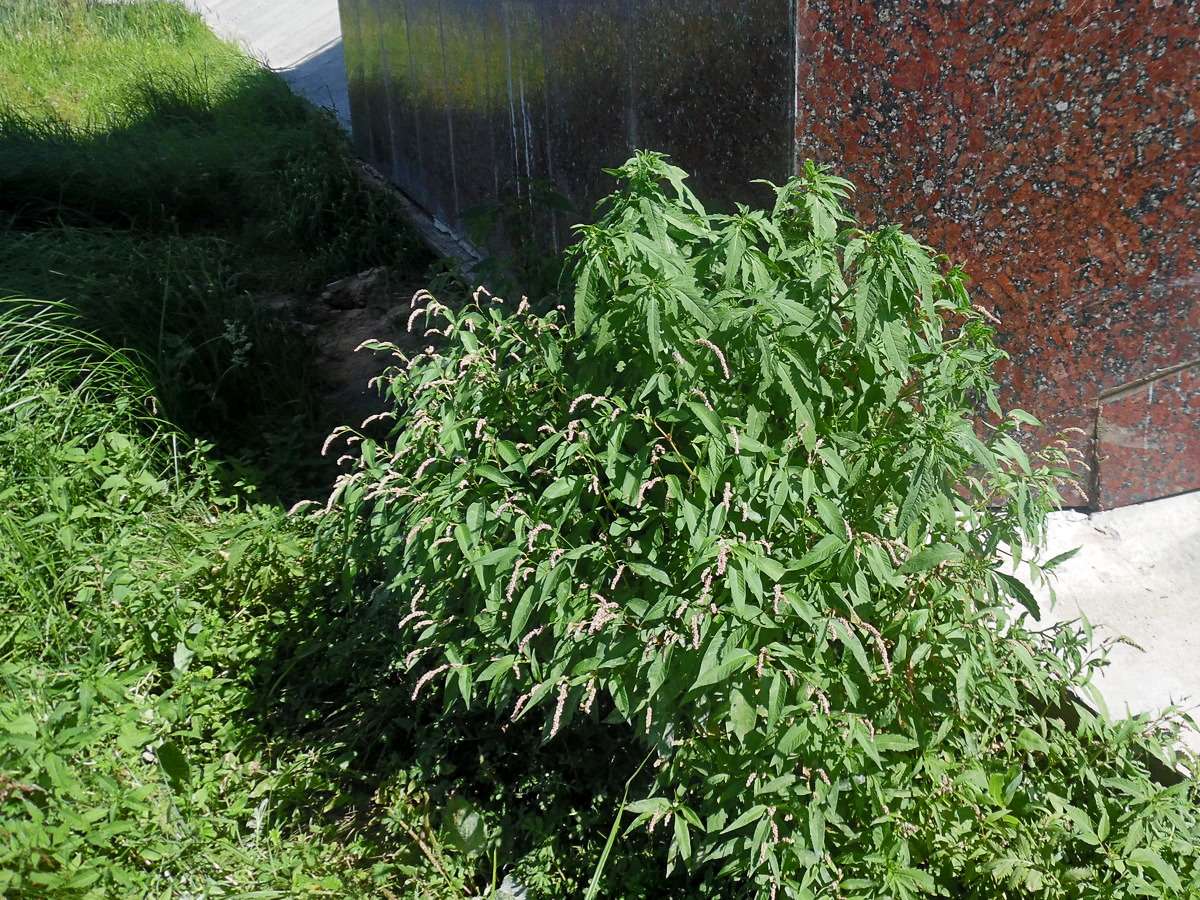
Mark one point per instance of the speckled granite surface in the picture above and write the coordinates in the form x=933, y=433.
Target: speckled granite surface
x=1054, y=146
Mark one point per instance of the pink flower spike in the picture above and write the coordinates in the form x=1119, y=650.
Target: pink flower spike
x=645, y=487
x=703, y=398
x=577, y=401
x=613, y=585
x=417, y=310
x=720, y=356
x=533, y=535
x=558, y=710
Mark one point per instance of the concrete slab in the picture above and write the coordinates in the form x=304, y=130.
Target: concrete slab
x=1136, y=579
x=300, y=39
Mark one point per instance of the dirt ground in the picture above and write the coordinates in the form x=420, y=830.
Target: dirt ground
x=372, y=305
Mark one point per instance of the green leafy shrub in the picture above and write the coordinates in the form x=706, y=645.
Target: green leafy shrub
x=752, y=503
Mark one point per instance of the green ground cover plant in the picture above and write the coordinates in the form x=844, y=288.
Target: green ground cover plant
x=165, y=184
x=738, y=508
x=133, y=589
x=189, y=705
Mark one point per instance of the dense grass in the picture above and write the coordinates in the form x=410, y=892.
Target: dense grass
x=192, y=701
x=114, y=544
x=77, y=61
x=165, y=184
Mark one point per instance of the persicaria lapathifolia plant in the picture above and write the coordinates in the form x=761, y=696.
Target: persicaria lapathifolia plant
x=751, y=502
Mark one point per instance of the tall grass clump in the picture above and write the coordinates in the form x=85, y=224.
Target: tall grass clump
x=750, y=507
x=136, y=596
x=168, y=186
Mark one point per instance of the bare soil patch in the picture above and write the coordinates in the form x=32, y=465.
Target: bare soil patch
x=372, y=305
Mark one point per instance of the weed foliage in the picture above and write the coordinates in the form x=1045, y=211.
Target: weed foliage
x=750, y=505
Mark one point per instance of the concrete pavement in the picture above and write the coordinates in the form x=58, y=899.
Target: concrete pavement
x=1136, y=579
x=300, y=39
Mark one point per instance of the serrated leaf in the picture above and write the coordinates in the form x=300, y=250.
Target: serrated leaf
x=1059, y=560
x=1147, y=858
x=1016, y=589
x=654, y=326
x=920, y=489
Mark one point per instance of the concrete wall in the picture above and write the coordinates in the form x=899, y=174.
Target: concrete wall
x=459, y=100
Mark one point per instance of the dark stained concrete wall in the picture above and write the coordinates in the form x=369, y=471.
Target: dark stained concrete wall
x=458, y=99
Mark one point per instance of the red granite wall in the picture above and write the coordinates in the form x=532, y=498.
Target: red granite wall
x=1053, y=147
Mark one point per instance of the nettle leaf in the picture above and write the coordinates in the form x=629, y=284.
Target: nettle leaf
x=920, y=489
x=1147, y=858
x=1017, y=589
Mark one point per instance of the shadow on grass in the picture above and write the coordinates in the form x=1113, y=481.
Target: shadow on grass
x=333, y=682
x=169, y=232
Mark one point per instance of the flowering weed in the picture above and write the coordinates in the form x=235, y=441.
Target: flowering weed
x=750, y=504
